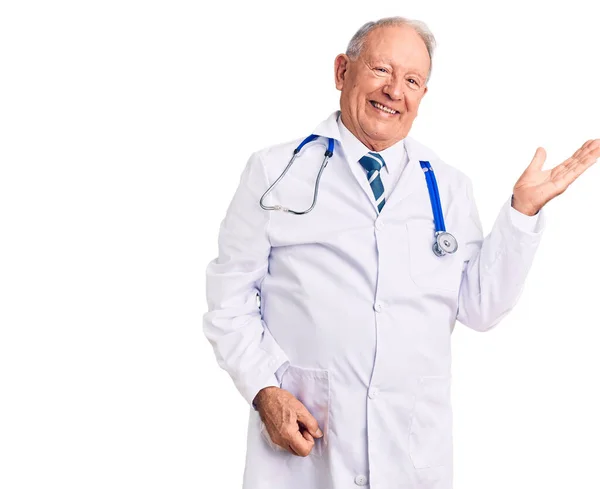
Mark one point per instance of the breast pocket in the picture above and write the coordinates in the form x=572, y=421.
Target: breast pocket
x=427, y=270
x=311, y=387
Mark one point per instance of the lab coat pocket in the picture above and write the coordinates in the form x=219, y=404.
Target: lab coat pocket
x=430, y=443
x=428, y=270
x=311, y=387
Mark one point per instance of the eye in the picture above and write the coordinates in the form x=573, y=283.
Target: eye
x=381, y=70
x=414, y=83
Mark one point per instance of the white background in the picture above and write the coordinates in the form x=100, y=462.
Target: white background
x=124, y=128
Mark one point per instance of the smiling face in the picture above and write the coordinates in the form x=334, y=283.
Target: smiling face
x=383, y=87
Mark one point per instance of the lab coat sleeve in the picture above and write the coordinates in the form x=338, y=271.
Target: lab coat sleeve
x=496, y=267
x=523, y=221
x=241, y=340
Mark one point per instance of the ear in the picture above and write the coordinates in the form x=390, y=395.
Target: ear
x=340, y=66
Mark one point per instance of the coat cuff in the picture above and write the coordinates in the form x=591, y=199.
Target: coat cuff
x=527, y=224
x=273, y=381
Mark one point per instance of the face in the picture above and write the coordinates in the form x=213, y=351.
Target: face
x=383, y=87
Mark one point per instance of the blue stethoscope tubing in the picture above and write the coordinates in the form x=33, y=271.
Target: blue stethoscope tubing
x=444, y=241
x=434, y=196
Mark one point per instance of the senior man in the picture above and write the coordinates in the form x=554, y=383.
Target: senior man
x=346, y=360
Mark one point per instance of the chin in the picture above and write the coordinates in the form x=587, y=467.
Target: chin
x=375, y=126
x=382, y=132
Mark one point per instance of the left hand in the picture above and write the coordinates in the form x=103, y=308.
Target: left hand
x=536, y=187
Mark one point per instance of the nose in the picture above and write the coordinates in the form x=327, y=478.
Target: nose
x=394, y=88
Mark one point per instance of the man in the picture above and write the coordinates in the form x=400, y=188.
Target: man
x=346, y=361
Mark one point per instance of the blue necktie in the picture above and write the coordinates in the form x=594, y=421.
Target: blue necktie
x=372, y=162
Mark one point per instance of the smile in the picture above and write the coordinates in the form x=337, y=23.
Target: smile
x=383, y=108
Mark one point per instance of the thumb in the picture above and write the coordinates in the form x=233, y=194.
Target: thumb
x=309, y=422
x=538, y=159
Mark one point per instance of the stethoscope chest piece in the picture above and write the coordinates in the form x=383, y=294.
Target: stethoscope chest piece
x=444, y=243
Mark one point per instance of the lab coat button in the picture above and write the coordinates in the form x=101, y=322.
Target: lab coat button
x=378, y=306
x=373, y=391
x=360, y=480
x=379, y=224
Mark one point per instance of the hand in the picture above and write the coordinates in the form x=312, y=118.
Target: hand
x=536, y=186
x=287, y=420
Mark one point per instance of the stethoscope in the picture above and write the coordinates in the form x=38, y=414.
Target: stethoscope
x=444, y=241
x=328, y=154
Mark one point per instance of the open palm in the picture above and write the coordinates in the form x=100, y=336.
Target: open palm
x=536, y=187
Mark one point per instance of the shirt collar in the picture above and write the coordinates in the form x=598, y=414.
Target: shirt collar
x=394, y=154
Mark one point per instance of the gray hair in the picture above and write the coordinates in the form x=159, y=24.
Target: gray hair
x=358, y=40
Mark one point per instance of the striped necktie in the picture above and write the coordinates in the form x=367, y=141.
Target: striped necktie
x=372, y=162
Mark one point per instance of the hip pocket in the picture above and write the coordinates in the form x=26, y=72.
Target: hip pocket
x=430, y=437
x=311, y=387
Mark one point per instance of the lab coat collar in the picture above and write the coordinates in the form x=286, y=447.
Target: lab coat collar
x=329, y=128
x=410, y=177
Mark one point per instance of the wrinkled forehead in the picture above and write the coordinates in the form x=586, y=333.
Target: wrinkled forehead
x=399, y=46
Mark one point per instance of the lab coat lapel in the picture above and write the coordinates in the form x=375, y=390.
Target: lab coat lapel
x=329, y=128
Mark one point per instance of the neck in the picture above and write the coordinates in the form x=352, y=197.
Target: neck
x=376, y=146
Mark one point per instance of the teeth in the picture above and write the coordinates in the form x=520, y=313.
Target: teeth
x=384, y=108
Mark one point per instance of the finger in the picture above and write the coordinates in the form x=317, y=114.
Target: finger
x=561, y=183
x=307, y=436
x=590, y=147
x=594, y=147
x=588, y=158
x=586, y=155
x=538, y=159
x=576, y=170
x=309, y=422
x=583, y=158
x=573, y=160
x=301, y=445
x=590, y=142
x=584, y=148
x=291, y=450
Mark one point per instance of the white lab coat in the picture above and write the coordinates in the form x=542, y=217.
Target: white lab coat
x=356, y=311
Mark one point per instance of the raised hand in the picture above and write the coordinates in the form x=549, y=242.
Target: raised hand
x=536, y=187
x=289, y=424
